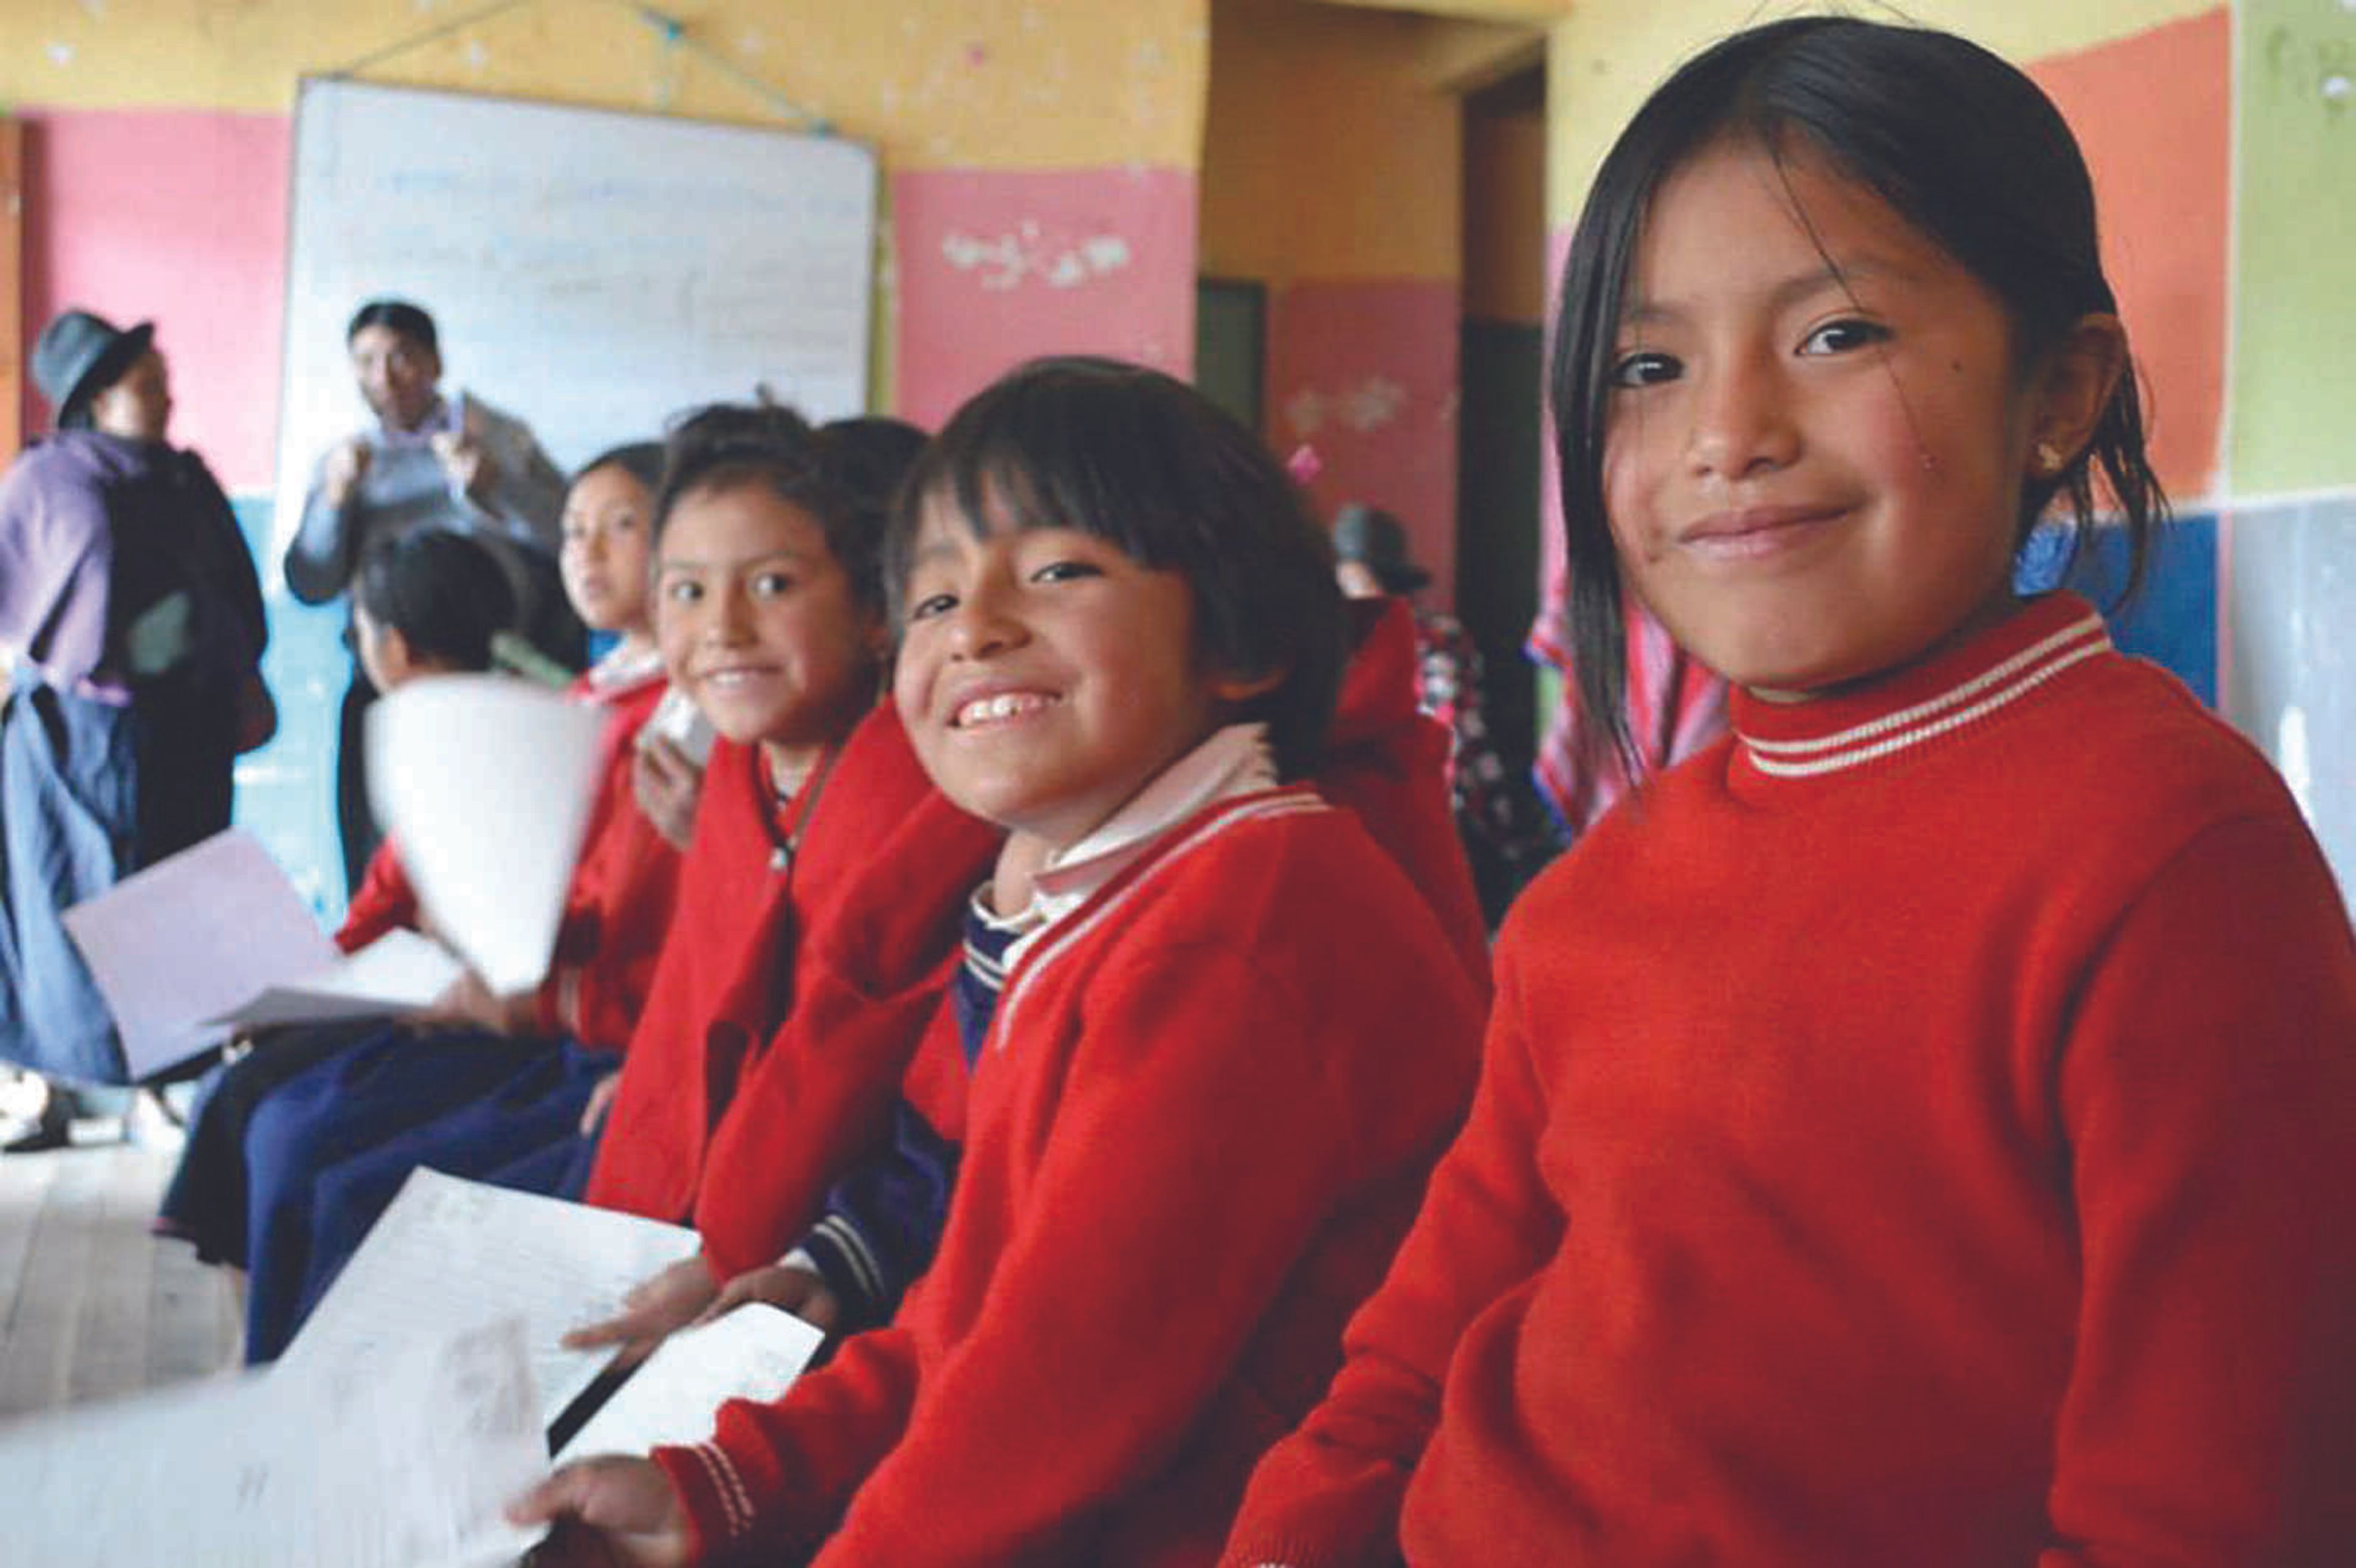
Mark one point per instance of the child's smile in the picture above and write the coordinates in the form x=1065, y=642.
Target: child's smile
x=757, y=620
x=1045, y=676
x=1818, y=438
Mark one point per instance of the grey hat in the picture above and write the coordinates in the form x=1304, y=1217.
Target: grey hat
x=1377, y=540
x=79, y=353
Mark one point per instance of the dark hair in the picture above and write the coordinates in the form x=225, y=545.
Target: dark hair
x=1958, y=143
x=408, y=320
x=641, y=460
x=1146, y=462
x=843, y=474
x=446, y=595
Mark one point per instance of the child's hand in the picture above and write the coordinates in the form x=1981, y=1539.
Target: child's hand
x=468, y=1000
x=606, y=1511
x=601, y=1100
x=652, y=1310
x=665, y=784
x=798, y=1290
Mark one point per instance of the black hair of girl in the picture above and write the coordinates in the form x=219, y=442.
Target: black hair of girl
x=403, y=318
x=447, y=595
x=1144, y=461
x=641, y=460
x=843, y=474
x=1955, y=141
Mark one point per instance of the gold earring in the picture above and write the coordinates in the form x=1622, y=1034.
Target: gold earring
x=2049, y=458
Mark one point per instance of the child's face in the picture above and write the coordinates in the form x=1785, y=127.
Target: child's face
x=603, y=558
x=383, y=652
x=1045, y=676
x=1812, y=477
x=757, y=621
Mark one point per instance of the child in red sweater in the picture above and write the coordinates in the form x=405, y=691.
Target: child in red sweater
x=1917, y=1130
x=1232, y=1034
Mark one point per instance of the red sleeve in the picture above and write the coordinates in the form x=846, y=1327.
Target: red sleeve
x=1329, y=1495
x=619, y=906
x=383, y=902
x=1045, y=1411
x=870, y=973
x=743, y=1487
x=2208, y=1090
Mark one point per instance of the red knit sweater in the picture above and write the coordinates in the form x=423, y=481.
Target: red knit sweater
x=1919, y=1132
x=732, y=967
x=1197, y=1129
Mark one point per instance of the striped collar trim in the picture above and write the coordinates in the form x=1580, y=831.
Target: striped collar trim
x=1959, y=704
x=1290, y=801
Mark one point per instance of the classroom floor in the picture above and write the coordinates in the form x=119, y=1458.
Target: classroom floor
x=90, y=1305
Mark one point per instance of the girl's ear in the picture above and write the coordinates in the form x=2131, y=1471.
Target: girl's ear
x=2072, y=390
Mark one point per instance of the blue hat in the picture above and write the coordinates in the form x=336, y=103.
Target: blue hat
x=79, y=355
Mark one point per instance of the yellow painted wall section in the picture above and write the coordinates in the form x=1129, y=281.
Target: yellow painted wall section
x=1011, y=84
x=1610, y=55
x=1327, y=153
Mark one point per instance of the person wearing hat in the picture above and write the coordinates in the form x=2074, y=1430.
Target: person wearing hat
x=1505, y=834
x=426, y=459
x=130, y=634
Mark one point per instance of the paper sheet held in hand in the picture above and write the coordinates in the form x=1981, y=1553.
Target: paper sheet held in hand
x=450, y=1251
x=216, y=938
x=486, y=781
x=403, y=1461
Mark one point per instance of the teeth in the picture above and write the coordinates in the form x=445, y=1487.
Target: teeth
x=1005, y=705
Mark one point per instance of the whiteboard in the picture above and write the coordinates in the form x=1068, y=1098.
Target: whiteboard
x=592, y=272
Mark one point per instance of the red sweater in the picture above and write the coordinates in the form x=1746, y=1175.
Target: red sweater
x=733, y=966
x=620, y=904
x=1199, y=1126
x=1388, y=760
x=616, y=910
x=1916, y=1131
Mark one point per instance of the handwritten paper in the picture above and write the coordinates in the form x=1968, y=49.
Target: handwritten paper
x=404, y=1462
x=753, y=1352
x=486, y=781
x=450, y=1251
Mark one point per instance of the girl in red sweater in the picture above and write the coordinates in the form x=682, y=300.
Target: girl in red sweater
x=1916, y=1130
x=1232, y=1035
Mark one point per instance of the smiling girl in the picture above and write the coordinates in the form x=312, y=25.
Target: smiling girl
x=1231, y=1036
x=1911, y=1131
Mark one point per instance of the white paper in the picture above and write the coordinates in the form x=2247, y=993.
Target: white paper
x=404, y=1462
x=190, y=938
x=451, y=1252
x=400, y=972
x=485, y=783
x=753, y=1352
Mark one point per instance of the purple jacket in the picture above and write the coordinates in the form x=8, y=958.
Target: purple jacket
x=121, y=560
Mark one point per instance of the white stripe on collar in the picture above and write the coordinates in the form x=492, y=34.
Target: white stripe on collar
x=1234, y=762
x=1252, y=808
x=1961, y=704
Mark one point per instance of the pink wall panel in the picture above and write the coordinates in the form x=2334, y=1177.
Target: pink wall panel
x=2154, y=113
x=995, y=268
x=1366, y=374
x=178, y=217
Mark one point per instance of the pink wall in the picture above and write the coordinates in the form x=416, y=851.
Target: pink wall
x=1366, y=374
x=178, y=217
x=997, y=268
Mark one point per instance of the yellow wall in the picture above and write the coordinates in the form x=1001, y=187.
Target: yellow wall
x=1610, y=54
x=1034, y=84
x=1328, y=152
